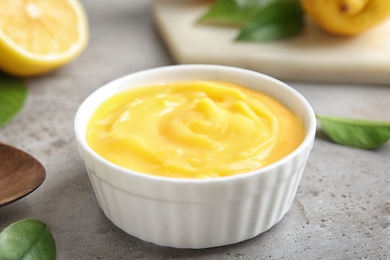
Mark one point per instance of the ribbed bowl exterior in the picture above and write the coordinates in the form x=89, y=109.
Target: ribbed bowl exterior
x=184, y=215
x=187, y=213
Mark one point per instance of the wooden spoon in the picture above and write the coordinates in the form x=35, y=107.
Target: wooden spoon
x=20, y=174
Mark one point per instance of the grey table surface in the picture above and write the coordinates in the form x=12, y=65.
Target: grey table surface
x=342, y=206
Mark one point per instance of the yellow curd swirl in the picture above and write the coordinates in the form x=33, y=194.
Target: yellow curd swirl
x=193, y=130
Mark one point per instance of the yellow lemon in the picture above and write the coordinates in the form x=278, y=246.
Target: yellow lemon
x=38, y=36
x=347, y=17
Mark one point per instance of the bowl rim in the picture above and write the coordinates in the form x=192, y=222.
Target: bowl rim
x=307, y=141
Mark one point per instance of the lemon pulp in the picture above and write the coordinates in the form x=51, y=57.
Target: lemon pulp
x=37, y=36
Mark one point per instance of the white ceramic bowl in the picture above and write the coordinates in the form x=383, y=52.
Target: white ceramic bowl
x=196, y=213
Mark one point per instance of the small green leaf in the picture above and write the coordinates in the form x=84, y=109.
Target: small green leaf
x=12, y=96
x=364, y=134
x=27, y=239
x=224, y=12
x=280, y=20
x=232, y=12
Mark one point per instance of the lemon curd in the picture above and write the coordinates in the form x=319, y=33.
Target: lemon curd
x=193, y=130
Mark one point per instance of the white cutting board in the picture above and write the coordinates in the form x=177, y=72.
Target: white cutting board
x=312, y=56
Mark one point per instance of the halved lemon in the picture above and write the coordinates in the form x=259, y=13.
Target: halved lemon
x=38, y=36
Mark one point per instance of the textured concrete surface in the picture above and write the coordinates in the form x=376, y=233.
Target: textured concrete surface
x=342, y=207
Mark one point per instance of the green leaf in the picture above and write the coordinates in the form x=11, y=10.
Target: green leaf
x=280, y=20
x=12, y=96
x=232, y=12
x=364, y=134
x=28, y=239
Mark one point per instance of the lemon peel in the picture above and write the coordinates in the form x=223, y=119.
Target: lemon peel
x=347, y=17
x=41, y=36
